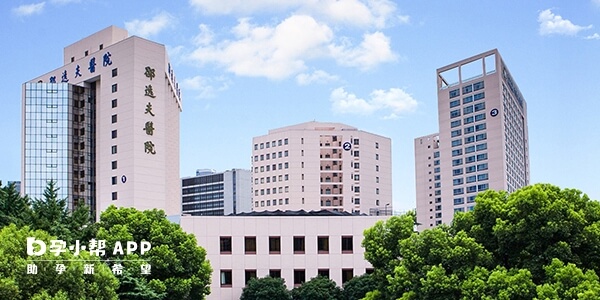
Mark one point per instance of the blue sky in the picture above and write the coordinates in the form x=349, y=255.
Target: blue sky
x=247, y=66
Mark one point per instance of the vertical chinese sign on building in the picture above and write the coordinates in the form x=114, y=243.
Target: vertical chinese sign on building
x=149, y=146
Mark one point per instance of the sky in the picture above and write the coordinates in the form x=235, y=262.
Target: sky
x=248, y=66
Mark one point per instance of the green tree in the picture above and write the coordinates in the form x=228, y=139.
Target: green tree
x=16, y=283
x=499, y=284
x=569, y=282
x=266, y=288
x=358, y=287
x=318, y=287
x=535, y=224
x=14, y=209
x=179, y=269
x=52, y=215
x=382, y=246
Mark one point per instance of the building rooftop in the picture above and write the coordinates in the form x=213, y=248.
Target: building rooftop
x=295, y=213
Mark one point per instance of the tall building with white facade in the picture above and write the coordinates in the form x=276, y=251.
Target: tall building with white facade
x=212, y=193
x=482, y=143
x=317, y=165
x=105, y=125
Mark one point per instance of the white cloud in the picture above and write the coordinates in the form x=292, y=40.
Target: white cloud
x=594, y=36
x=375, y=13
x=392, y=103
x=146, y=28
x=29, y=9
x=318, y=76
x=205, y=37
x=206, y=87
x=273, y=52
x=373, y=50
x=63, y=2
x=555, y=24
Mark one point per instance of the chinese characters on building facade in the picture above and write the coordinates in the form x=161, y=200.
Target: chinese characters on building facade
x=149, y=146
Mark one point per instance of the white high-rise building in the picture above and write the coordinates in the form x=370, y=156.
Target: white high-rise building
x=482, y=143
x=105, y=125
x=316, y=166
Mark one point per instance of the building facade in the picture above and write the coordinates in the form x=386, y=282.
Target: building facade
x=316, y=166
x=212, y=193
x=482, y=143
x=295, y=248
x=105, y=125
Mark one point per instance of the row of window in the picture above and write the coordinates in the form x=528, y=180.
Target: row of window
x=226, y=276
x=466, y=89
x=114, y=134
x=469, y=139
x=271, y=144
x=226, y=244
x=272, y=202
x=471, y=189
x=467, y=110
x=470, y=169
x=273, y=155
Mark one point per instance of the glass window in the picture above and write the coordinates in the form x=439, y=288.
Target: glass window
x=114, y=164
x=114, y=72
x=455, y=133
x=469, y=120
x=114, y=134
x=469, y=139
x=482, y=177
x=274, y=245
x=469, y=129
x=299, y=277
x=347, y=244
x=114, y=118
x=276, y=273
x=457, y=162
x=454, y=103
x=459, y=201
x=114, y=196
x=457, y=181
x=456, y=172
x=469, y=149
x=250, y=243
x=467, y=99
x=479, y=106
x=470, y=169
x=298, y=244
x=249, y=274
x=347, y=274
x=455, y=113
x=467, y=89
x=226, y=278
x=482, y=156
x=479, y=117
x=113, y=149
x=471, y=179
x=225, y=244
x=458, y=191
x=114, y=103
x=323, y=244
x=455, y=123
x=480, y=127
x=478, y=96
x=114, y=88
x=482, y=167
x=471, y=189
x=323, y=273
x=454, y=93
x=470, y=159
x=478, y=86
x=481, y=146
x=457, y=142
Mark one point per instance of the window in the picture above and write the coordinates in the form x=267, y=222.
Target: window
x=457, y=181
x=481, y=137
x=457, y=142
x=114, y=103
x=470, y=149
x=454, y=103
x=479, y=117
x=478, y=86
x=469, y=120
x=455, y=133
x=285, y=141
x=455, y=123
x=249, y=274
x=458, y=191
x=275, y=273
x=355, y=141
x=482, y=167
x=323, y=273
x=347, y=244
x=114, y=88
x=323, y=244
x=467, y=99
x=469, y=129
x=470, y=169
x=113, y=118
x=457, y=162
x=225, y=244
x=356, y=153
x=482, y=156
x=114, y=164
x=471, y=189
x=478, y=96
x=114, y=72
x=113, y=180
x=467, y=89
x=471, y=179
x=469, y=139
x=113, y=149
x=357, y=201
x=298, y=244
x=455, y=113
x=459, y=201
x=481, y=177
x=226, y=278
x=454, y=93
x=357, y=189
x=468, y=109
x=114, y=134
x=479, y=106
x=274, y=245
x=250, y=243
x=357, y=165
x=114, y=196
x=347, y=274
x=456, y=152
x=480, y=127
x=299, y=277
x=481, y=146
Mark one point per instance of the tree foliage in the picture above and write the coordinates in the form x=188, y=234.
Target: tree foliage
x=16, y=283
x=14, y=209
x=540, y=242
x=317, y=288
x=265, y=288
x=358, y=287
x=179, y=266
